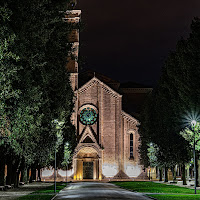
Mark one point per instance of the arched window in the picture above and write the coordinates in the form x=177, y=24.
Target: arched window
x=131, y=145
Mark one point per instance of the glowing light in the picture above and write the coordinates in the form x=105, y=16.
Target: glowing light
x=64, y=172
x=133, y=170
x=47, y=172
x=193, y=123
x=109, y=170
x=189, y=117
x=100, y=177
x=80, y=177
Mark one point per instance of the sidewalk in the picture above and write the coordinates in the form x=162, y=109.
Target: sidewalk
x=190, y=184
x=12, y=194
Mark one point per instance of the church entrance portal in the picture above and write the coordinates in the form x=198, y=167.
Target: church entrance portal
x=87, y=170
x=86, y=164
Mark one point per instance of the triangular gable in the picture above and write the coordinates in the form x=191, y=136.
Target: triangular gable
x=95, y=80
x=87, y=140
x=87, y=133
x=130, y=118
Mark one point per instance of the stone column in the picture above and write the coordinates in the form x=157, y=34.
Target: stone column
x=100, y=169
x=94, y=170
x=75, y=168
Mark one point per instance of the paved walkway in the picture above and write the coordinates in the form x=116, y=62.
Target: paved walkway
x=97, y=191
x=190, y=184
x=12, y=194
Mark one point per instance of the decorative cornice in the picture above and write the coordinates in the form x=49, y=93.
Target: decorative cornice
x=94, y=81
x=132, y=131
x=73, y=12
x=136, y=90
x=72, y=19
x=129, y=118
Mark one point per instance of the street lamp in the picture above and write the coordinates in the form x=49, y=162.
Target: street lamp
x=55, y=173
x=193, y=124
x=67, y=157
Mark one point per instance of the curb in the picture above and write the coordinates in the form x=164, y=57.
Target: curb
x=54, y=196
x=58, y=193
x=150, y=197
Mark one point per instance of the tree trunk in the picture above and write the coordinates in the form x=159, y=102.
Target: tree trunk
x=160, y=174
x=174, y=173
x=33, y=174
x=23, y=177
x=183, y=174
x=2, y=171
x=15, y=175
x=28, y=175
x=166, y=174
x=188, y=172
x=39, y=175
x=17, y=178
x=9, y=173
x=23, y=171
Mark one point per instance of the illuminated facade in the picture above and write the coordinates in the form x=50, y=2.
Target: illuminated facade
x=107, y=136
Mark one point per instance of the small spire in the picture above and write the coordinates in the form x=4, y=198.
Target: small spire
x=94, y=74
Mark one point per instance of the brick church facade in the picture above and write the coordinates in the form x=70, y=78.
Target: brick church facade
x=105, y=119
x=106, y=129
x=107, y=135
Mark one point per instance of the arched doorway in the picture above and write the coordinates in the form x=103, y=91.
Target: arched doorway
x=87, y=164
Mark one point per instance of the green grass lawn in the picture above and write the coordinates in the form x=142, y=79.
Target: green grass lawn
x=36, y=197
x=50, y=189
x=175, y=197
x=44, y=194
x=151, y=187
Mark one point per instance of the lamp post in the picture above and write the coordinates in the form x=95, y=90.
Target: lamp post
x=193, y=124
x=55, y=173
x=66, y=174
x=67, y=157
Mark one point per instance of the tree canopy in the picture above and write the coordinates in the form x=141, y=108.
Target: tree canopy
x=34, y=85
x=176, y=95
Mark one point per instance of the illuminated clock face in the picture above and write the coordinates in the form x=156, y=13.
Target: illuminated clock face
x=88, y=116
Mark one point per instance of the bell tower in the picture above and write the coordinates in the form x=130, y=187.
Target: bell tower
x=72, y=17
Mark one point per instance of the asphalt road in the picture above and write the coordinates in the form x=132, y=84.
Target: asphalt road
x=97, y=191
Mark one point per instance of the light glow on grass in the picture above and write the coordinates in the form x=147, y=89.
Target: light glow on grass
x=151, y=187
x=175, y=197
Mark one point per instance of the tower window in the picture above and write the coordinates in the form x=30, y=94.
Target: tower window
x=131, y=145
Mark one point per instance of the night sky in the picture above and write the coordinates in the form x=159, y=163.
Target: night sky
x=129, y=40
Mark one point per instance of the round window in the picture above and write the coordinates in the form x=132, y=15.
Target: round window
x=88, y=116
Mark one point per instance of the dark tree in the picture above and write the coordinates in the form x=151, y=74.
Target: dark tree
x=176, y=95
x=35, y=88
